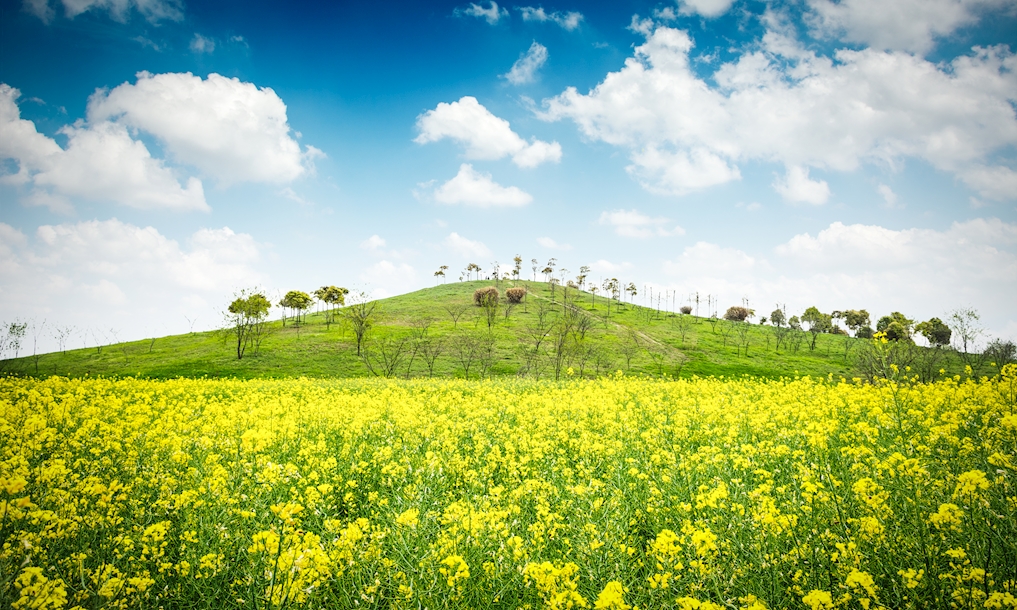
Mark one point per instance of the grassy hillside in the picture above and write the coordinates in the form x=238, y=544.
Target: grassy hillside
x=622, y=336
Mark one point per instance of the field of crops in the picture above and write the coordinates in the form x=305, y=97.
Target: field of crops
x=615, y=493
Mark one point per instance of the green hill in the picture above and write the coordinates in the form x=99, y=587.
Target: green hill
x=415, y=334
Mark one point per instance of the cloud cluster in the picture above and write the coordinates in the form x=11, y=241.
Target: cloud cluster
x=472, y=188
x=492, y=14
x=226, y=129
x=525, y=69
x=230, y=130
x=466, y=248
x=568, y=21
x=849, y=266
x=76, y=273
x=784, y=103
x=632, y=223
x=484, y=135
x=908, y=25
x=119, y=10
x=101, y=162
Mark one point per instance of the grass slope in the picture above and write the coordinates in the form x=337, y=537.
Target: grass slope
x=628, y=337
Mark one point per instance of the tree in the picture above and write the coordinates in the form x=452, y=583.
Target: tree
x=779, y=327
x=441, y=273
x=736, y=313
x=631, y=290
x=11, y=336
x=245, y=320
x=517, y=267
x=360, y=316
x=296, y=300
x=334, y=297
x=455, y=311
x=487, y=299
x=818, y=322
x=383, y=357
x=1001, y=352
x=854, y=319
x=965, y=323
x=584, y=271
x=896, y=327
x=534, y=264
x=935, y=332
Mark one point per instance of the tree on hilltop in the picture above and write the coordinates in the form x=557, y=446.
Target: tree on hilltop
x=245, y=320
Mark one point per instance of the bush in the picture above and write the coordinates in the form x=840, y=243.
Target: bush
x=737, y=313
x=686, y=309
x=515, y=295
x=483, y=296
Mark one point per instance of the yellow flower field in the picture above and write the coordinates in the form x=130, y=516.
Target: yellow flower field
x=617, y=493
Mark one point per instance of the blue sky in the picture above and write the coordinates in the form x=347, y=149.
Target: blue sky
x=157, y=155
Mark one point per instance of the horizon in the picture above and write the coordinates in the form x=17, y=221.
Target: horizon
x=156, y=156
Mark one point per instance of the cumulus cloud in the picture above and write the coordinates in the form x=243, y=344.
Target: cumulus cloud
x=606, y=266
x=466, y=248
x=850, y=266
x=783, y=103
x=101, y=162
x=632, y=223
x=228, y=129
x=492, y=14
x=551, y=244
x=909, y=25
x=201, y=44
x=112, y=273
x=373, y=243
x=484, y=135
x=889, y=197
x=473, y=188
x=569, y=20
x=387, y=278
x=119, y=10
x=525, y=69
x=705, y=8
x=796, y=187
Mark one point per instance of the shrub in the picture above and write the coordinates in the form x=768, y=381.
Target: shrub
x=737, y=313
x=483, y=296
x=515, y=295
x=686, y=309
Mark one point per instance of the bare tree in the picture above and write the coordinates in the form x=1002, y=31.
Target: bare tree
x=535, y=336
x=62, y=334
x=486, y=354
x=683, y=323
x=466, y=348
x=382, y=357
x=36, y=331
x=360, y=316
x=456, y=311
x=431, y=349
x=629, y=347
x=964, y=323
x=11, y=336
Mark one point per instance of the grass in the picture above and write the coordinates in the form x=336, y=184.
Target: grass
x=624, y=336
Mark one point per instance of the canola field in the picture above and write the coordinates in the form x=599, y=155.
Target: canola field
x=618, y=493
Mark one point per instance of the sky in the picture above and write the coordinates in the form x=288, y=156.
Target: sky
x=158, y=156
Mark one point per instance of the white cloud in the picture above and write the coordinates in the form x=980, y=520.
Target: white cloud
x=998, y=183
x=492, y=14
x=525, y=69
x=889, y=197
x=632, y=223
x=796, y=187
x=119, y=10
x=101, y=162
x=605, y=266
x=111, y=273
x=228, y=129
x=782, y=103
x=470, y=187
x=466, y=248
x=850, y=266
x=484, y=135
x=387, y=278
x=373, y=242
x=200, y=44
x=705, y=8
x=569, y=21
x=910, y=25
x=550, y=244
